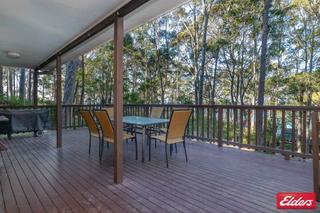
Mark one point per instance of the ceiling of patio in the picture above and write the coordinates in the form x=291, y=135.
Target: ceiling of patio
x=36, y=29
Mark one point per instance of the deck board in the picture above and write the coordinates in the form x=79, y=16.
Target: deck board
x=37, y=177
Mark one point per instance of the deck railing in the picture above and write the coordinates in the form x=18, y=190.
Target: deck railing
x=285, y=129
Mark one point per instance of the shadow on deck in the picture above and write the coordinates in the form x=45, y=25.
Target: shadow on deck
x=36, y=177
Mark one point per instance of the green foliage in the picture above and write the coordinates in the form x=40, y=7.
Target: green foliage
x=162, y=58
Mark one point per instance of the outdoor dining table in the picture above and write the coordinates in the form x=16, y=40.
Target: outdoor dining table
x=143, y=123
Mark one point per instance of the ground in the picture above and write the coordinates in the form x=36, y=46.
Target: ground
x=37, y=177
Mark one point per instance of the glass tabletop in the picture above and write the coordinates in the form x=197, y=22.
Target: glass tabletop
x=143, y=121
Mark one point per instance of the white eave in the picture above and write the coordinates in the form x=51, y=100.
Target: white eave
x=37, y=29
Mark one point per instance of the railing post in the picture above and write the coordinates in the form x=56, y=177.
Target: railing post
x=220, y=126
x=58, y=103
x=118, y=99
x=315, y=154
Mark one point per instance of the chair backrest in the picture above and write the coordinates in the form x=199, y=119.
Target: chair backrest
x=105, y=123
x=110, y=112
x=156, y=112
x=178, y=123
x=88, y=119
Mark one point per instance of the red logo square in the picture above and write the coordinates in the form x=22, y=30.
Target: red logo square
x=296, y=200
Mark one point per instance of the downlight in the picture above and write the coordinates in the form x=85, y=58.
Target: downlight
x=13, y=55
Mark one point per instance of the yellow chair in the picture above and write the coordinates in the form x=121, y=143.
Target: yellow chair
x=176, y=130
x=110, y=112
x=108, y=131
x=156, y=112
x=92, y=126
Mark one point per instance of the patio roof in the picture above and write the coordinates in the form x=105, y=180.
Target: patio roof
x=46, y=34
x=37, y=29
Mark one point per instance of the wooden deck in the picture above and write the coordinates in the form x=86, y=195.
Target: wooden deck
x=36, y=177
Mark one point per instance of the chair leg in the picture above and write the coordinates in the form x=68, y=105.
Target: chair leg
x=171, y=149
x=155, y=143
x=107, y=145
x=100, y=157
x=167, y=155
x=185, y=150
x=175, y=145
x=90, y=145
x=132, y=131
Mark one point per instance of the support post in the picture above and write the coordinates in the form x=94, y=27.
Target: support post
x=315, y=154
x=118, y=99
x=58, y=102
x=35, y=88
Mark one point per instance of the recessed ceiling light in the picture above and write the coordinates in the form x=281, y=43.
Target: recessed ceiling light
x=13, y=55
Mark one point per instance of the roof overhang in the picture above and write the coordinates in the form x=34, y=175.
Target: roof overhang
x=39, y=30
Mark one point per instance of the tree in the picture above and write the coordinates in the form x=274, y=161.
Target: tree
x=70, y=81
x=263, y=67
x=22, y=81
x=1, y=81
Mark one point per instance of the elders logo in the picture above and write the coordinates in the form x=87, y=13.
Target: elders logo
x=296, y=200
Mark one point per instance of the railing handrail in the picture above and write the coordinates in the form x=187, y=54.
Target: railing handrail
x=255, y=107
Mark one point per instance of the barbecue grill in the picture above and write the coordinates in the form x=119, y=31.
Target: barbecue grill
x=23, y=120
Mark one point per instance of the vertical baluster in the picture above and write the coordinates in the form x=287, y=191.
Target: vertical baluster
x=293, y=131
x=241, y=127
x=228, y=123
x=197, y=119
x=304, y=132
x=235, y=121
x=208, y=122
x=202, y=122
x=283, y=129
x=192, y=119
x=274, y=128
x=249, y=125
x=220, y=126
x=65, y=116
x=256, y=129
x=214, y=118
x=265, y=127
x=70, y=117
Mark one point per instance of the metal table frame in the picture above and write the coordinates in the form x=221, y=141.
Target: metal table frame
x=143, y=122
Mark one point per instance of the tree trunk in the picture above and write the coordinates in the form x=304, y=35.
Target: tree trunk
x=70, y=81
x=203, y=49
x=70, y=87
x=22, y=91
x=10, y=92
x=263, y=67
x=214, y=84
x=1, y=82
x=29, y=85
x=82, y=80
x=14, y=82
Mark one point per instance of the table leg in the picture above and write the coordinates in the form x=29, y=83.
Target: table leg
x=142, y=142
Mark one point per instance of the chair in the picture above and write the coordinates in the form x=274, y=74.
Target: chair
x=156, y=112
x=108, y=131
x=92, y=126
x=110, y=112
x=176, y=131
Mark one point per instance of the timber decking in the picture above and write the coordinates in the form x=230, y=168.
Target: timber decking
x=37, y=177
